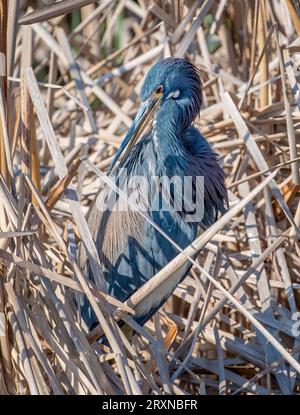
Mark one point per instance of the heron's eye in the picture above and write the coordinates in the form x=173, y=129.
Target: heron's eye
x=159, y=89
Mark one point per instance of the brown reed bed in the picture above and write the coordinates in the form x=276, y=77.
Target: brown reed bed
x=69, y=80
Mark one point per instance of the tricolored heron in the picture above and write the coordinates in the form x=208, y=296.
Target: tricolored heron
x=130, y=248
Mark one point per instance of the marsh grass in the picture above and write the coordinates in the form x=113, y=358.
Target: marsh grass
x=69, y=90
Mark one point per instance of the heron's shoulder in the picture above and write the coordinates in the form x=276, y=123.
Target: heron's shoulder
x=194, y=141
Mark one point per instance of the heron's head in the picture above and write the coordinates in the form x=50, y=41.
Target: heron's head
x=171, y=83
x=176, y=80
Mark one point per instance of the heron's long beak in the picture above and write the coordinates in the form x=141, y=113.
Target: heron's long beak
x=138, y=126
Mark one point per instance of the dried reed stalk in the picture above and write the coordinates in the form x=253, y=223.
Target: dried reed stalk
x=80, y=76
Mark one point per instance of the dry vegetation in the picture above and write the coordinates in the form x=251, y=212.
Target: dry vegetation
x=69, y=90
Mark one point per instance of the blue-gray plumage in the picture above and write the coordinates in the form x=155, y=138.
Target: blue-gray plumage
x=130, y=249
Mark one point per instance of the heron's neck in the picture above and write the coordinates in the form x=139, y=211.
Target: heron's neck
x=167, y=139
